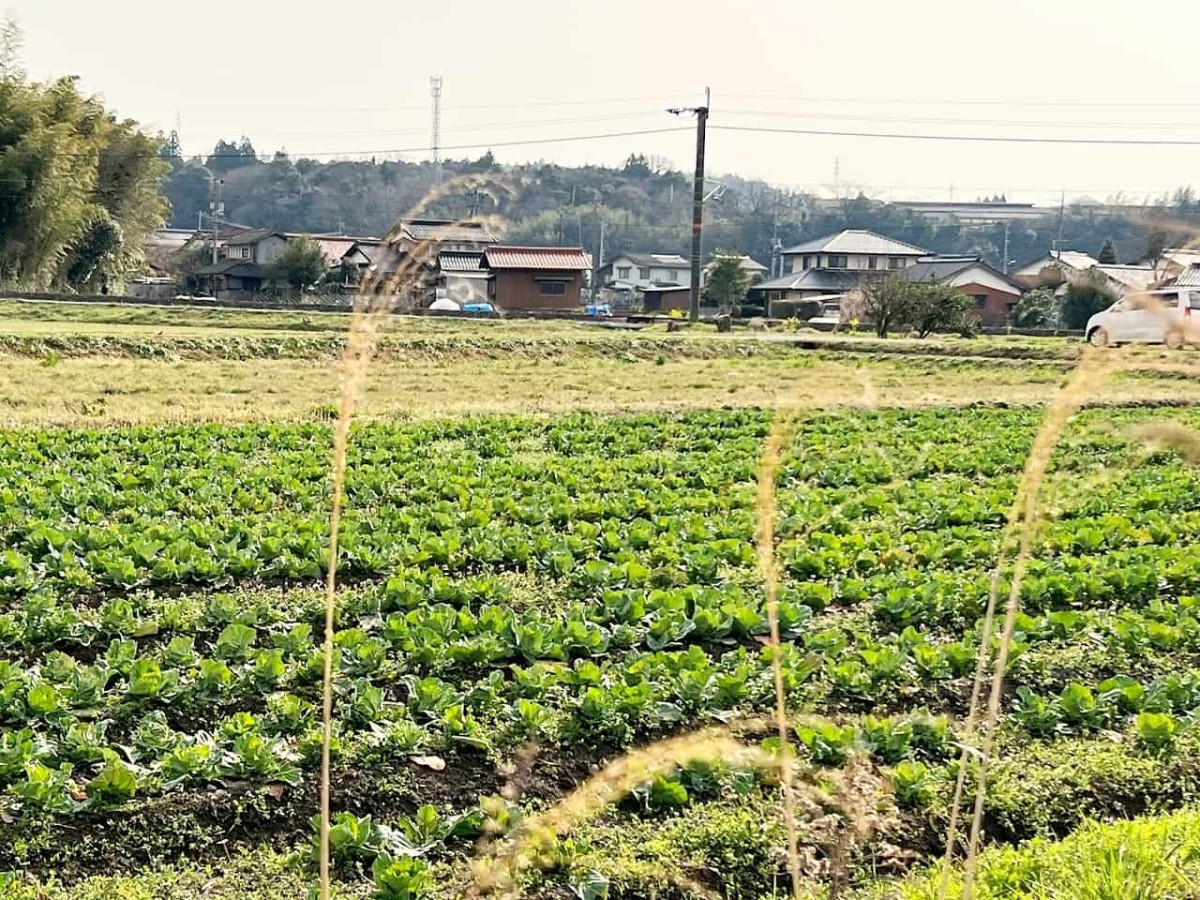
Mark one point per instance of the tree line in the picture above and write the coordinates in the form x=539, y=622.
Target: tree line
x=642, y=205
x=81, y=189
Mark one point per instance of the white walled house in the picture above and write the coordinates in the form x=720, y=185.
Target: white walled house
x=639, y=271
x=853, y=249
x=836, y=264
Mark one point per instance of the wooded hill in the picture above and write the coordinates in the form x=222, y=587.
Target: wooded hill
x=644, y=205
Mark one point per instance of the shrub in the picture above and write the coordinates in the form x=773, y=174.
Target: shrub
x=1037, y=309
x=1085, y=298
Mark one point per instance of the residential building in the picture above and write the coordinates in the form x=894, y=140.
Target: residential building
x=1053, y=268
x=163, y=245
x=994, y=293
x=244, y=257
x=461, y=277
x=231, y=276
x=1129, y=278
x=1189, y=277
x=754, y=269
x=1175, y=260
x=854, y=249
x=422, y=241
x=638, y=271
x=836, y=264
x=1058, y=269
x=440, y=234
x=536, y=278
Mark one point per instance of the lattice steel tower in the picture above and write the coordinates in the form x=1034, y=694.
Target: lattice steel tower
x=435, y=90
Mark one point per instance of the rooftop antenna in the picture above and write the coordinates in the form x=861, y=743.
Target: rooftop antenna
x=435, y=91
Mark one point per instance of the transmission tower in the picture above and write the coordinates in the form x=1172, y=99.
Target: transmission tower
x=435, y=90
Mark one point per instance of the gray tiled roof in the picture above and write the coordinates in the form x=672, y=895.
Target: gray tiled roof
x=658, y=260
x=857, y=240
x=825, y=280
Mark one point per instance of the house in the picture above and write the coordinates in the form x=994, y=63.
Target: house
x=1058, y=269
x=437, y=235
x=163, y=245
x=855, y=250
x=1129, y=278
x=638, y=271
x=412, y=251
x=754, y=269
x=807, y=285
x=994, y=293
x=536, y=277
x=461, y=277
x=836, y=264
x=260, y=246
x=1188, y=278
x=1175, y=260
x=227, y=276
x=1054, y=268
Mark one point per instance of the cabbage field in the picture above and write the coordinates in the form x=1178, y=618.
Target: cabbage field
x=524, y=598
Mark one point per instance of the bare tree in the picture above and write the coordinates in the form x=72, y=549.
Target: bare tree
x=12, y=43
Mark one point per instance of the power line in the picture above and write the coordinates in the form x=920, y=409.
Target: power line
x=925, y=120
x=880, y=101
x=977, y=138
x=509, y=124
x=487, y=145
x=425, y=109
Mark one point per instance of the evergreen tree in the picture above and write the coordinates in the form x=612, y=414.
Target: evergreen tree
x=1108, y=253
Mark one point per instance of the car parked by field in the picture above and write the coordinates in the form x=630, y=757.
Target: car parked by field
x=1147, y=317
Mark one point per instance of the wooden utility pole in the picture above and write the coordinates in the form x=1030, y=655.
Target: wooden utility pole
x=701, y=113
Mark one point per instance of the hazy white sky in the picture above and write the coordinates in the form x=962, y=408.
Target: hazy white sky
x=341, y=79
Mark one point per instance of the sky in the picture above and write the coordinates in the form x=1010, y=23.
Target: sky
x=546, y=79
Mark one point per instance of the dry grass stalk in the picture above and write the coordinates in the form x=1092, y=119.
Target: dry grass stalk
x=981, y=663
x=853, y=806
x=378, y=295
x=1064, y=405
x=1171, y=435
x=501, y=873
x=765, y=539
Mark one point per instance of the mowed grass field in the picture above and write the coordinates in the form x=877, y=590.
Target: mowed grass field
x=548, y=561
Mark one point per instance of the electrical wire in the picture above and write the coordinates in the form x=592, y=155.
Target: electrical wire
x=925, y=120
x=453, y=129
x=976, y=138
x=425, y=108
x=880, y=101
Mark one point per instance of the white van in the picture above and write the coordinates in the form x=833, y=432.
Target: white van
x=1148, y=317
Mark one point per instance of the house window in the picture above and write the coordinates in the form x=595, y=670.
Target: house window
x=980, y=300
x=808, y=262
x=896, y=262
x=552, y=288
x=872, y=262
x=644, y=274
x=245, y=252
x=838, y=261
x=623, y=272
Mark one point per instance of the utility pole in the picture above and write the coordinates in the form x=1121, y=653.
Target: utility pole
x=1062, y=207
x=216, y=207
x=1005, y=266
x=599, y=266
x=435, y=90
x=701, y=113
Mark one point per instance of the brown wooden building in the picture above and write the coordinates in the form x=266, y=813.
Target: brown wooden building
x=536, y=277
